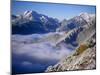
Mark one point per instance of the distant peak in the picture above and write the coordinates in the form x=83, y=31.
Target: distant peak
x=26, y=12
x=30, y=12
x=84, y=14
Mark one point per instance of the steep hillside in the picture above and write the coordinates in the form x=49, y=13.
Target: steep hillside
x=84, y=56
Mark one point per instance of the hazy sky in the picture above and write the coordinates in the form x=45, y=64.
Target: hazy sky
x=59, y=11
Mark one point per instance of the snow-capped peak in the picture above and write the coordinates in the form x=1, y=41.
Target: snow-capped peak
x=29, y=12
x=28, y=15
x=83, y=14
x=26, y=12
x=87, y=16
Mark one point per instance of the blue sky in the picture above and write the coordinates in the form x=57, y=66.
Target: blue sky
x=59, y=11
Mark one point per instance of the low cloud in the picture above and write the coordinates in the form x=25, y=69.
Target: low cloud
x=41, y=51
x=41, y=54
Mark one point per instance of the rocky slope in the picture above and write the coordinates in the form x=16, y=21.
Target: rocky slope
x=76, y=62
x=83, y=58
x=83, y=61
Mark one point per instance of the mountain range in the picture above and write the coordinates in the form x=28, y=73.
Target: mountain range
x=77, y=21
x=37, y=37
x=33, y=22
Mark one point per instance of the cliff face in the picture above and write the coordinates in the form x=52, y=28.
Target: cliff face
x=83, y=58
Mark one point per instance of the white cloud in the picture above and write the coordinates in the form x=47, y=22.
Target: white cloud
x=42, y=50
x=30, y=55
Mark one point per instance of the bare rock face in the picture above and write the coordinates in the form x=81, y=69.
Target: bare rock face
x=84, y=61
x=83, y=58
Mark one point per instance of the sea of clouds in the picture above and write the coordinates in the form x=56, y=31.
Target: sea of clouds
x=31, y=54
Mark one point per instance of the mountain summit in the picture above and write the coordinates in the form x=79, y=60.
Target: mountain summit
x=77, y=21
x=33, y=22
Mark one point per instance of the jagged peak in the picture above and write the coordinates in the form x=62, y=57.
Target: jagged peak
x=87, y=15
x=83, y=13
x=29, y=13
x=26, y=12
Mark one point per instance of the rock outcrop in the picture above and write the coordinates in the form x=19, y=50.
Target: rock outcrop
x=83, y=58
